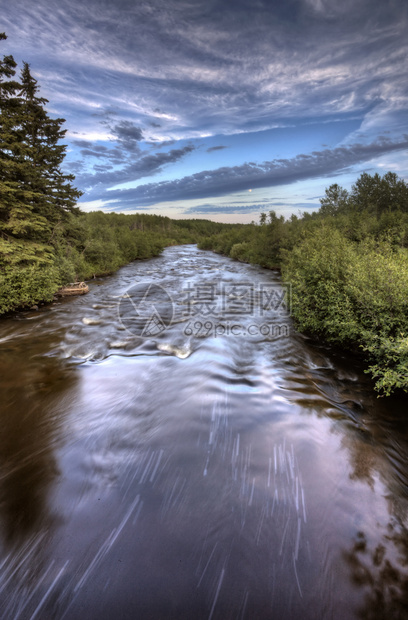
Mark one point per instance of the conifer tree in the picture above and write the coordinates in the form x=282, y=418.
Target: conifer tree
x=53, y=194
x=9, y=136
x=36, y=197
x=34, y=193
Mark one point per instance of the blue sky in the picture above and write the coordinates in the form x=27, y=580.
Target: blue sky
x=218, y=109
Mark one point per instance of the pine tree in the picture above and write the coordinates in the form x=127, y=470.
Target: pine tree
x=36, y=197
x=35, y=194
x=335, y=201
x=10, y=137
x=53, y=194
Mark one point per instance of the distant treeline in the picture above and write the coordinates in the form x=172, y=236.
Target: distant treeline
x=98, y=243
x=348, y=266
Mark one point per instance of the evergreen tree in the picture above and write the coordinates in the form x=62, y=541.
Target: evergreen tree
x=10, y=137
x=35, y=194
x=53, y=194
x=36, y=197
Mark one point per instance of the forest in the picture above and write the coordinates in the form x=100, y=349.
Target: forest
x=347, y=262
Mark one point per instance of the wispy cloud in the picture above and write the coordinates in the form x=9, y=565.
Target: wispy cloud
x=226, y=180
x=144, y=166
x=210, y=208
x=128, y=135
x=221, y=68
x=216, y=148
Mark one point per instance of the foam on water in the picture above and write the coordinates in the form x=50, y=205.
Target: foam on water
x=90, y=321
x=180, y=352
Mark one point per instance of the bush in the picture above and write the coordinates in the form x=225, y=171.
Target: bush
x=354, y=293
x=239, y=251
x=24, y=286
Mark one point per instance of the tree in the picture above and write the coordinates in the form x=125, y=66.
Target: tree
x=377, y=194
x=9, y=136
x=53, y=194
x=335, y=201
x=35, y=195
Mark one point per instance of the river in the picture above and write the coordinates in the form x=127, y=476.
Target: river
x=170, y=447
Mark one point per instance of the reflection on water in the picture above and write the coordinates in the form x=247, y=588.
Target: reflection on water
x=379, y=577
x=194, y=471
x=32, y=390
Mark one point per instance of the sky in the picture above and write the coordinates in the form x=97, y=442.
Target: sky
x=218, y=109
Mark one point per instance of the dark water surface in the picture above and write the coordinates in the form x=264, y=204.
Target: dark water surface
x=191, y=474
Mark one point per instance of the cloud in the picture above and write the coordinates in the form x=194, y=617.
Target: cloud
x=95, y=152
x=102, y=168
x=213, y=208
x=128, y=135
x=146, y=165
x=218, y=68
x=210, y=208
x=74, y=167
x=160, y=145
x=226, y=180
x=216, y=148
x=83, y=144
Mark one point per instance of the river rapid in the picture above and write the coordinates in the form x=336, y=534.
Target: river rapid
x=170, y=447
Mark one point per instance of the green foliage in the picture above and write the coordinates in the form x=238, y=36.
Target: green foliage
x=334, y=201
x=34, y=193
x=377, y=194
x=25, y=285
x=99, y=243
x=391, y=371
x=240, y=251
x=318, y=269
x=250, y=243
x=354, y=293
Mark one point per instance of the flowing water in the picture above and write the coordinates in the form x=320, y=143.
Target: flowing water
x=171, y=448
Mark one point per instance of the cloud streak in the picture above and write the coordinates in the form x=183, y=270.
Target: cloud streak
x=144, y=166
x=210, y=209
x=227, y=180
x=216, y=148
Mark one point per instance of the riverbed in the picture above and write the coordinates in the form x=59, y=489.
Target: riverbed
x=170, y=447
